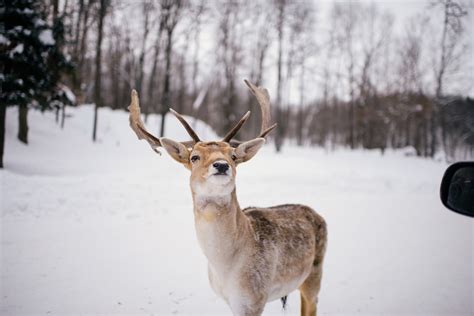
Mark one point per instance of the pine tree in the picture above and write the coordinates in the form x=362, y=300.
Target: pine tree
x=28, y=48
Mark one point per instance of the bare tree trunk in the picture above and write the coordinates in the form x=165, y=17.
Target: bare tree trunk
x=439, y=80
x=55, y=9
x=442, y=65
x=98, y=63
x=197, y=43
x=23, y=124
x=75, y=82
x=200, y=9
x=172, y=8
x=83, y=46
x=427, y=137
x=300, y=126
x=352, y=102
x=257, y=77
x=63, y=115
x=279, y=134
x=56, y=112
x=166, y=85
x=3, y=113
x=114, y=66
x=407, y=139
x=151, y=82
x=417, y=136
x=433, y=128
x=181, y=97
x=453, y=13
x=229, y=21
x=141, y=60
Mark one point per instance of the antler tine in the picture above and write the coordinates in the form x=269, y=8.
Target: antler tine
x=139, y=128
x=267, y=131
x=234, y=143
x=236, y=128
x=263, y=99
x=137, y=125
x=188, y=128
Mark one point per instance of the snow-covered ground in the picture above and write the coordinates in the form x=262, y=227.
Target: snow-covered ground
x=107, y=228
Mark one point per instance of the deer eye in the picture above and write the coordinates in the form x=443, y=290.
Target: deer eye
x=195, y=158
x=234, y=157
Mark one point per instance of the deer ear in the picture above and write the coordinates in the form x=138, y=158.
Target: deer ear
x=247, y=150
x=177, y=151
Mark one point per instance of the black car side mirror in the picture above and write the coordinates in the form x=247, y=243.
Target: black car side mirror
x=457, y=188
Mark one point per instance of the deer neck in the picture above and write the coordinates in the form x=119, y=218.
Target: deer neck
x=221, y=226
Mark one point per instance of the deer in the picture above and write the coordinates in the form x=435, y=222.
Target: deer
x=257, y=254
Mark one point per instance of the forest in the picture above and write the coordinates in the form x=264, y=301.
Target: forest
x=342, y=74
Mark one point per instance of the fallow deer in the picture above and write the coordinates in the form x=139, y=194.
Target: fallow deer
x=255, y=255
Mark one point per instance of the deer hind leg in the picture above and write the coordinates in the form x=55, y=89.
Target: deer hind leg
x=309, y=290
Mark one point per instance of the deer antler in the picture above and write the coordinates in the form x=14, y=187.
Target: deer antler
x=260, y=93
x=236, y=128
x=263, y=99
x=188, y=128
x=139, y=128
x=137, y=125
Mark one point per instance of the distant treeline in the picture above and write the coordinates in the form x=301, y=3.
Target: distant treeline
x=425, y=124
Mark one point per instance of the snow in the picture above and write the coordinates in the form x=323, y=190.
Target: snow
x=40, y=22
x=3, y=40
x=27, y=11
x=68, y=93
x=18, y=49
x=107, y=228
x=46, y=37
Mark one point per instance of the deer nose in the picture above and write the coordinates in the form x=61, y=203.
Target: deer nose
x=221, y=166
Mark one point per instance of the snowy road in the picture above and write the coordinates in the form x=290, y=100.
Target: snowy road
x=107, y=229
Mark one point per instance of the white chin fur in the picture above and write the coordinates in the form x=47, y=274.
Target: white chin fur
x=214, y=185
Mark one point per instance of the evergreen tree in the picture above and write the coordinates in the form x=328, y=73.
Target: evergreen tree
x=28, y=50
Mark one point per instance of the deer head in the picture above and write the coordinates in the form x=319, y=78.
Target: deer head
x=212, y=163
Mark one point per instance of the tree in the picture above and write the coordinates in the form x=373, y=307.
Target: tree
x=115, y=59
x=59, y=65
x=229, y=53
x=280, y=27
x=450, y=58
x=152, y=88
x=451, y=50
x=27, y=48
x=98, y=63
x=302, y=47
x=147, y=9
x=260, y=40
x=171, y=13
x=375, y=35
x=198, y=10
x=347, y=18
x=84, y=20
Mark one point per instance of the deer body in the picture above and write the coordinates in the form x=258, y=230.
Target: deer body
x=255, y=255
x=258, y=255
